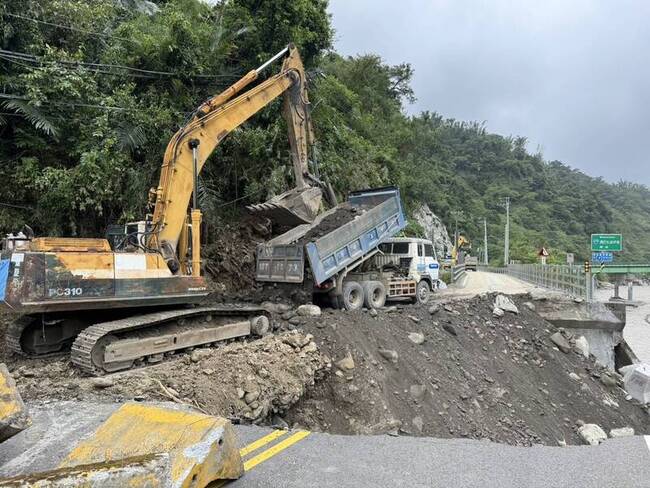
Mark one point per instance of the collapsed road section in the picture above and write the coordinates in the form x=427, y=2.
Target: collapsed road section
x=454, y=369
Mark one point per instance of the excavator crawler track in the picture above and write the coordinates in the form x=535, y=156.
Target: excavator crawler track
x=91, y=346
x=13, y=339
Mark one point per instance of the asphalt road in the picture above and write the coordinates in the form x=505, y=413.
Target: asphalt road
x=325, y=461
x=478, y=282
x=300, y=459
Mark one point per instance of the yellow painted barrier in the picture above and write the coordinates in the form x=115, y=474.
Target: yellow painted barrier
x=13, y=414
x=201, y=448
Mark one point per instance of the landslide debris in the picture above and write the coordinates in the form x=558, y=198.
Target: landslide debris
x=451, y=369
x=251, y=381
x=474, y=375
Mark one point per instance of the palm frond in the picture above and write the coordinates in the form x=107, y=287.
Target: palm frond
x=130, y=137
x=35, y=117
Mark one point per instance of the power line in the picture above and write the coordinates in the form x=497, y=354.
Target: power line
x=32, y=58
x=54, y=24
x=10, y=96
x=2, y=204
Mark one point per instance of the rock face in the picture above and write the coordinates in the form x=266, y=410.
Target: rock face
x=434, y=229
x=141, y=6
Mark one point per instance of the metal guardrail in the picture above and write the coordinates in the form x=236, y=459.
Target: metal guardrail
x=457, y=272
x=565, y=278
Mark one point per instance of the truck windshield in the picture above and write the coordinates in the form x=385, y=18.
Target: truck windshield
x=400, y=247
x=428, y=250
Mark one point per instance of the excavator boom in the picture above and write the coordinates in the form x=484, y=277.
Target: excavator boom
x=213, y=121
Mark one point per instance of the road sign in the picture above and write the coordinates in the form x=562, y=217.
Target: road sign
x=543, y=253
x=607, y=242
x=570, y=258
x=602, y=257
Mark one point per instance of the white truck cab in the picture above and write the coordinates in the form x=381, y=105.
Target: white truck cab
x=418, y=256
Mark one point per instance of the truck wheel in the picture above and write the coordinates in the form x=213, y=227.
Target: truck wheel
x=374, y=293
x=352, y=295
x=422, y=292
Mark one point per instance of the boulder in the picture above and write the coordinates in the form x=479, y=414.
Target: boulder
x=416, y=338
x=621, y=432
x=505, y=304
x=388, y=355
x=102, y=382
x=309, y=310
x=347, y=363
x=497, y=312
x=561, y=343
x=592, y=434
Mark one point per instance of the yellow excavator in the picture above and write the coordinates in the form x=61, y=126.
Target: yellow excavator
x=460, y=249
x=89, y=295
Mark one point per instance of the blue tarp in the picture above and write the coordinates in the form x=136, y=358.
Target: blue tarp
x=4, y=273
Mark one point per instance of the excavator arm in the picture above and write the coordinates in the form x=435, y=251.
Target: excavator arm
x=212, y=122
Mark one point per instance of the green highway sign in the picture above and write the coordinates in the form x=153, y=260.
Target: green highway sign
x=607, y=242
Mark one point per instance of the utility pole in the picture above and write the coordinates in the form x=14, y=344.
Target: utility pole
x=485, y=243
x=457, y=214
x=506, y=250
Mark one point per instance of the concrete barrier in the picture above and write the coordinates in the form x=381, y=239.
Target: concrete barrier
x=144, y=472
x=135, y=444
x=202, y=448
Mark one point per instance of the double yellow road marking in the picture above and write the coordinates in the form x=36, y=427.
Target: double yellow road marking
x=270, y=452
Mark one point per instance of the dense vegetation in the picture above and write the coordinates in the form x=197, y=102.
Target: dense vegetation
x=92, y=90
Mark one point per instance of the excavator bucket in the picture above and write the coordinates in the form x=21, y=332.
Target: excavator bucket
x=294, y=207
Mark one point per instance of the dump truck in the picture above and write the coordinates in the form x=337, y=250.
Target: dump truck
x=339, y=261
x=126, y=304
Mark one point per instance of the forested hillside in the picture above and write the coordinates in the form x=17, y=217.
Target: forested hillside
x=92, y=90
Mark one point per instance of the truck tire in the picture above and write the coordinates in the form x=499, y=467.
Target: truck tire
x=422, y=292
x=374, y=294
x=352, y=295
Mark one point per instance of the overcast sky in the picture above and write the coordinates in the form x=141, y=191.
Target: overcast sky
x=573, y=76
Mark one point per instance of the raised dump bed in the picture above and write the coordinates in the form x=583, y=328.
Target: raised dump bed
x=337, y=242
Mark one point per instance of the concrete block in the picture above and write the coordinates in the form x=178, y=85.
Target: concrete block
x=152, y=471
x=636, y=379
x=13, y=414
x=202, y=448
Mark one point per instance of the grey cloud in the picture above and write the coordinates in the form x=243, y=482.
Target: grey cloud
x=573, y=77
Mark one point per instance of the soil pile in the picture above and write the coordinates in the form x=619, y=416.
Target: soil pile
x=230, y=256
x=249, y=381
x=458, y=371
x=344, y=213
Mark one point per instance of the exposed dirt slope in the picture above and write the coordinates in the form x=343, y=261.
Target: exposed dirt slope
x=251, y=381
x=475, y=376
